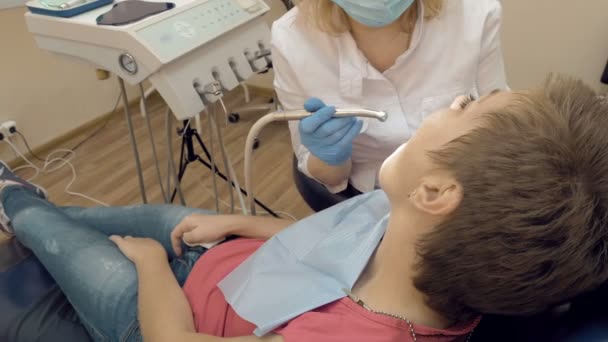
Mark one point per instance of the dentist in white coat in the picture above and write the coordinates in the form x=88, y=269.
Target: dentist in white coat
x=407, y=57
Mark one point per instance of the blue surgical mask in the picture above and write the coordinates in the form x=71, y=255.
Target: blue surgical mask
x=374, y=13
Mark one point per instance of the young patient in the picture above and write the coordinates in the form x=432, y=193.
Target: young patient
x=496, y=205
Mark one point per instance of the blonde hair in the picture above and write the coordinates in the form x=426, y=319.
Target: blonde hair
x=330, y=18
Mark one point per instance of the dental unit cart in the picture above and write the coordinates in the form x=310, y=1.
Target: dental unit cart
x=190, y=53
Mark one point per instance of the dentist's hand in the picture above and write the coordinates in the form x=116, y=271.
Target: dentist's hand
x=329, y=139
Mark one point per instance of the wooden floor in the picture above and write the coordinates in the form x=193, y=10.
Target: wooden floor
x=106, y=170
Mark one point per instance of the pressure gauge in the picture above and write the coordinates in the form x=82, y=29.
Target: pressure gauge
x=127, y=63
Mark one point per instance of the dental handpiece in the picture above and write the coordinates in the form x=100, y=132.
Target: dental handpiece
x=290, y=115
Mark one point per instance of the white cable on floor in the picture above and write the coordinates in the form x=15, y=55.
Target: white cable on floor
x=47, y=169
x=19, y=154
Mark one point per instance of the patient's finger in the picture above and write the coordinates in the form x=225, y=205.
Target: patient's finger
x=124, y=245
x=177, y=233
x=117, y=240
x=194, y=236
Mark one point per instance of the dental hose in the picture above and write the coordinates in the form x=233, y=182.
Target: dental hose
x=214, y=170
x=290, y=115
x=144, y=111
x=232, y=178
x=234, y=185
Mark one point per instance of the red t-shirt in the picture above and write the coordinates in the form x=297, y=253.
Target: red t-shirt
x=340, y=321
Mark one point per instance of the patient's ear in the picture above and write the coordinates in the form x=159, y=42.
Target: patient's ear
x=437, y=195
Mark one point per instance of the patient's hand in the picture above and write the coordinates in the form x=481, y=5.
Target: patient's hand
x=198, y=229
x=140, y=250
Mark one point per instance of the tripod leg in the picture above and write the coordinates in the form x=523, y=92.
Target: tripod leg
x=183, y=163
x=203, y=146
x=171, y=171
x=182, y=172
x=222, y=176
x=206, y=151
x=215, y=171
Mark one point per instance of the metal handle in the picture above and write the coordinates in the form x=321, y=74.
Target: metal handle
x=291, y=115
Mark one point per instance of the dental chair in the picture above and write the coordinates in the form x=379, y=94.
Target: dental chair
x=33, y=308
x=585, y=319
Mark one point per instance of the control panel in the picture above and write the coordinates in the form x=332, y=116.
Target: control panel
x=177, y=35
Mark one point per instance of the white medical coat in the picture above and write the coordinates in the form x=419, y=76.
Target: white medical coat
x=456, y=53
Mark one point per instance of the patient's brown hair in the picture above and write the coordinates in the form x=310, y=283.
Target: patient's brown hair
x=531, y=231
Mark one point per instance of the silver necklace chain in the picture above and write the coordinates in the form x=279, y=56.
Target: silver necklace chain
x=361, y=303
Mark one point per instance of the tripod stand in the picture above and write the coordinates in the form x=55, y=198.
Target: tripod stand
x=187, y=156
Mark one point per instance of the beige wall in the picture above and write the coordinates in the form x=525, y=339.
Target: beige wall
x=541, y=36
x=46, y=95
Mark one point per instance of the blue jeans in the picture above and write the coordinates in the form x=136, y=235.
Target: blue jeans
x=73, y=245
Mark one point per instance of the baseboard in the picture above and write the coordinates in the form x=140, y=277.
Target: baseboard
x=55, y=143
x=133, y=105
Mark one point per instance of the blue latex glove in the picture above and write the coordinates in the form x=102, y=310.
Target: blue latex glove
x=329, y=139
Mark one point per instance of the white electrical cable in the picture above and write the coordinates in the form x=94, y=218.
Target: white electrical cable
x=231, y=172
x=186, y=126
x=47, y=169
x=19, y=154
x=225, y=110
